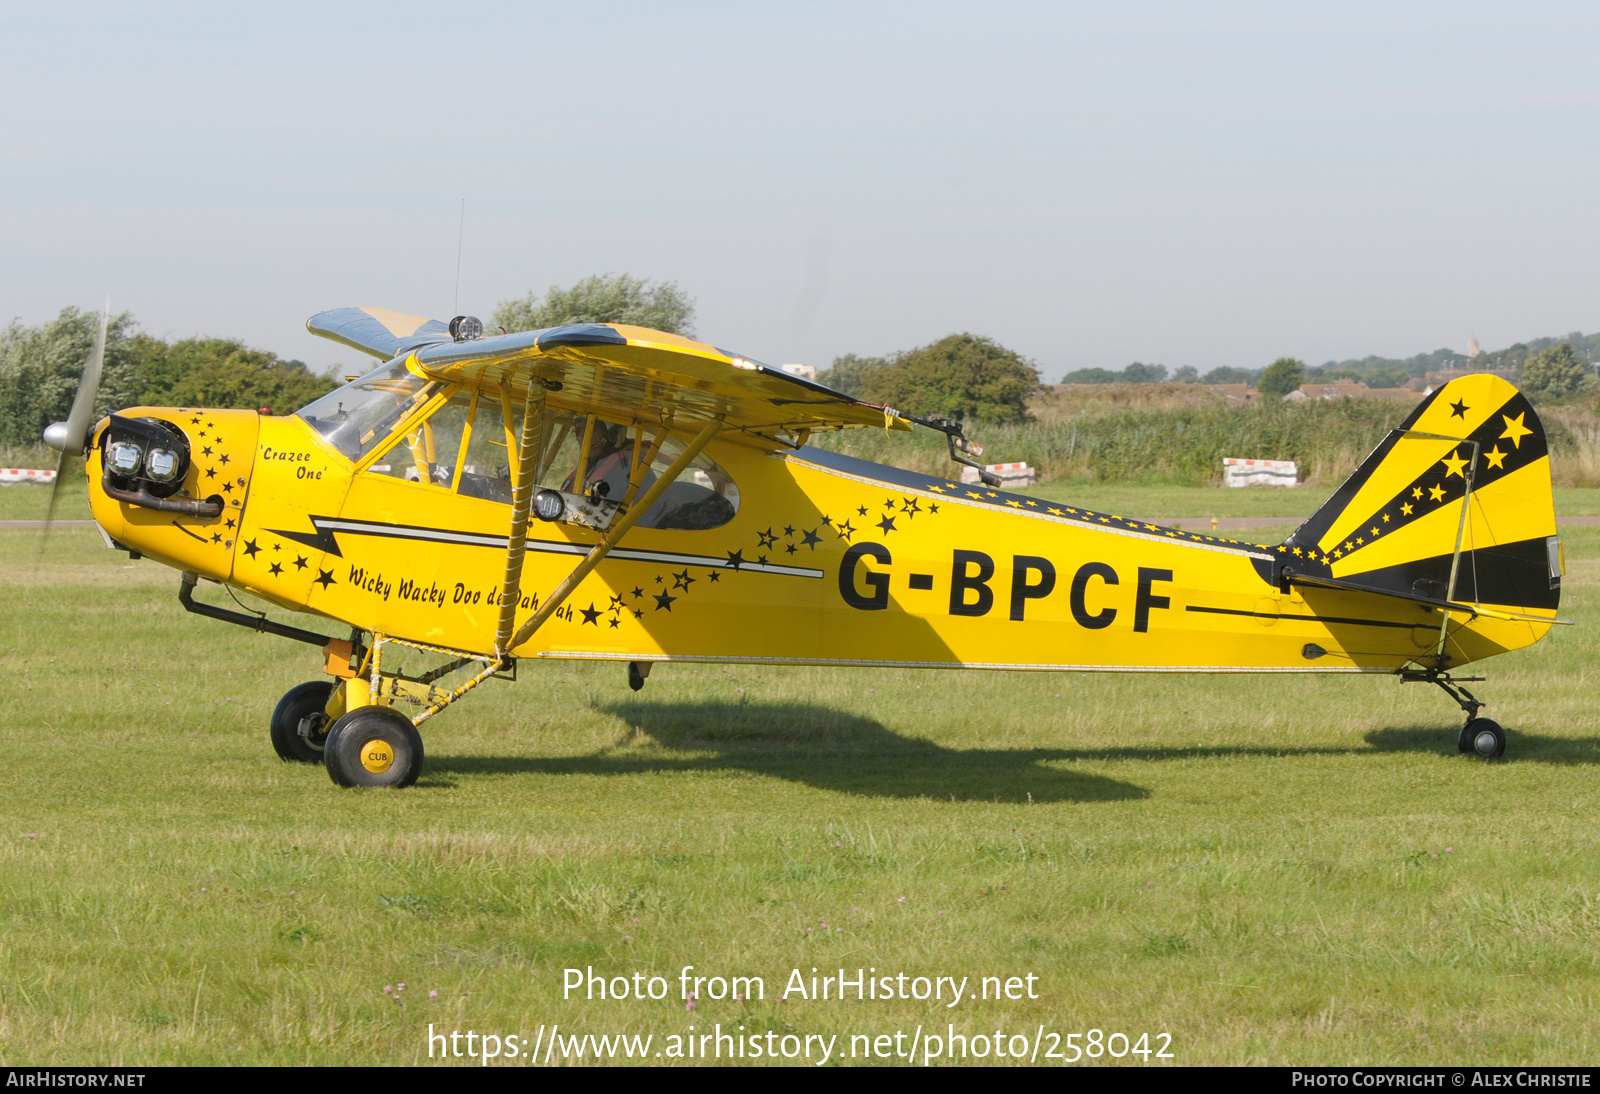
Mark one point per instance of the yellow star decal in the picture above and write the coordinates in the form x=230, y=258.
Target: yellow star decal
x=1374, y=531
x=1417, y=493
x=974, y=494
x=1347, y=546
x=1496, y=458
x=1454, y=464
x=1070, y=509
x=1406, y=508
x=1359, y=541
x=1152, y=527
x=1336, y=552
x=1297, y=552
x=1013, y=501
x=937, y=488
x=1515, y=430
x=1435, y=493
x=1386, y=518
x=1056, y=512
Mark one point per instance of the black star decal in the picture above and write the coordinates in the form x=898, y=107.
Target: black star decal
x=826, y=523
x=658, y=579
x=277, y=546
x=861, y=511
x=736, y=559
x=211, y=473
x=251, y=548
x=216, y=537
x=590, y=614
x=616, y=622
x=788, y=529
x=324, y=578
x=223, y=459
x=889, y=504
x=211, y=425
x=933, y=507
x=761, y=560
x=227, y=488
x=275, y=568
x=206, y=451
x=845, y=531
x=616, y=601
x=767, y=538
x=714, y=576
x=1458, y=409
x=194, y=421
x=887, y=524
x=910, y=507
x=789, y=547
x=638, y=613
x=682, y=580
x=230, y=522
x=664, y=600
x=811, y=540
x=299, y=562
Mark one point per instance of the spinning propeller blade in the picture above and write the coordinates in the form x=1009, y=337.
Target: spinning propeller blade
x=71, y=435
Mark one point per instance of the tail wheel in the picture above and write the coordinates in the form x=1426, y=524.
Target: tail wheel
x=373, y=746
x=1482, y=738
x=299, y=724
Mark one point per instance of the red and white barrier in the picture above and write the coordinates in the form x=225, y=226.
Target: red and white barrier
x=1011, y=474
x=1260, y=473
x=11, y=475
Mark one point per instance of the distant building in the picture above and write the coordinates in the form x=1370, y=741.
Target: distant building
x=805, y=372
x=1347, y=389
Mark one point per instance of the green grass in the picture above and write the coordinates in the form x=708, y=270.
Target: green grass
x=1270, y=869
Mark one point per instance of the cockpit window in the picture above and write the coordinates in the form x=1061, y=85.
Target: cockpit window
x=359, y=416
x=704, y=496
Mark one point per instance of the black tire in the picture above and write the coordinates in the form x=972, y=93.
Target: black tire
x=290, y=718
x=1482, y=738
x=373, y=746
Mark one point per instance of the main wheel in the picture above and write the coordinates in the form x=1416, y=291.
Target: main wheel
x=300, y=724
x=1483, y=738
x=373, y=746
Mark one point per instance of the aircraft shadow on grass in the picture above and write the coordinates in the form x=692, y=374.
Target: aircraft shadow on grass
x=815, y=745
x=846, y=753
x=1520, y=746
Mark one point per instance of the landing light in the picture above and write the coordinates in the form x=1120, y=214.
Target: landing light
x=549, y=505
x=466, y=328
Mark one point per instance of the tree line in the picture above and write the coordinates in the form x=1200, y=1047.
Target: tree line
x=40, y=367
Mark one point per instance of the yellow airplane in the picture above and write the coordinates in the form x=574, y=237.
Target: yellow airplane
x=611, y=493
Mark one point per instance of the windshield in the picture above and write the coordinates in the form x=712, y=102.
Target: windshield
x=356, y=417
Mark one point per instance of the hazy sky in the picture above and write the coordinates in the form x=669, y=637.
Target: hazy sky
x=1091, y=184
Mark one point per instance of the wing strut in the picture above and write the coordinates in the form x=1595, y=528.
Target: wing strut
x=612, y=537
x=535, y=432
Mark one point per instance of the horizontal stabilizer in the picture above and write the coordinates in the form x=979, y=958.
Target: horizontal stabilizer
x=1417, y=598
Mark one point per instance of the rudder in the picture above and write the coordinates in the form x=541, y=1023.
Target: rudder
x=1396, y=524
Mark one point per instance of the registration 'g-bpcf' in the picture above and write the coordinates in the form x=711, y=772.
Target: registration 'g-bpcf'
x=610, y=493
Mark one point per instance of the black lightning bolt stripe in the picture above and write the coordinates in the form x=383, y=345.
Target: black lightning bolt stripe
x=326, y=529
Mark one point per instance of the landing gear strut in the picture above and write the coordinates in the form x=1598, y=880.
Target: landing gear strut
x=1480, y=737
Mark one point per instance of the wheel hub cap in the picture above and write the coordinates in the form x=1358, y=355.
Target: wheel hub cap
x=377, y=756
x=1484, y=743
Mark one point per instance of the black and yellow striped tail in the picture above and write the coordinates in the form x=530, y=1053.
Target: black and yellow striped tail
x=1455, y=505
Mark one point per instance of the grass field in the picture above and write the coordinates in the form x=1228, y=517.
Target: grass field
x=1267, y=869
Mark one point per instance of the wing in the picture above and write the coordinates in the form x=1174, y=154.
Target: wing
x=623, y=372
x=378, y=331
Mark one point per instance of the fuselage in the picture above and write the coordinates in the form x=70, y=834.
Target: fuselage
x=825, y=560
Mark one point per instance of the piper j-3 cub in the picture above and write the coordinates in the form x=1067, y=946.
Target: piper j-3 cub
x=607, y=492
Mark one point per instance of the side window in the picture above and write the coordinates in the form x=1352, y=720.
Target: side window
x=704, y=496
x=485, y=460
x=429, y=452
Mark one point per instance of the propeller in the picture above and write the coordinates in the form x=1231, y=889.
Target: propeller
x=71, y=436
